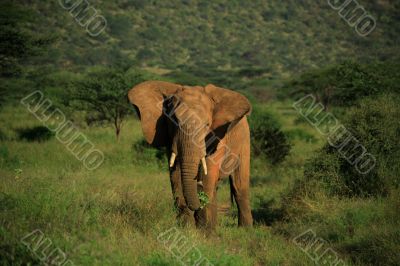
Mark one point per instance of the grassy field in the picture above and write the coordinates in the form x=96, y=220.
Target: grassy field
x=115, y=214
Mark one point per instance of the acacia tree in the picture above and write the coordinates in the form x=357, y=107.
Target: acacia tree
x=102, y=93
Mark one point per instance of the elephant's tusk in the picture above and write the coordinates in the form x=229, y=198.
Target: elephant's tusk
x=203, y=162
x=172, y=161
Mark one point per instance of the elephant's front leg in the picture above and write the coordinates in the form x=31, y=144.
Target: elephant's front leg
x=185, y=216
x=207, y=217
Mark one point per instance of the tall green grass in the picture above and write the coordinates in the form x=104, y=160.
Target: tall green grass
x=114, y=214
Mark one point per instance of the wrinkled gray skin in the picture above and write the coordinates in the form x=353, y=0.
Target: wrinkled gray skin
x=206, y=130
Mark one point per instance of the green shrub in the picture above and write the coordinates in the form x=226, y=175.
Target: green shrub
x=267, y=137
x=145, y=154
x=374, y=124
x=39, y=133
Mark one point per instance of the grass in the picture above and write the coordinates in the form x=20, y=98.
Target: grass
x=114, y=214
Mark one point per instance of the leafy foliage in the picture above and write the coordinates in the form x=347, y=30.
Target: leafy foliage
x=145, y=154
x=103, y=93
x=267, y=137
x=345, y=83
x=204, y=200
x=374, y=123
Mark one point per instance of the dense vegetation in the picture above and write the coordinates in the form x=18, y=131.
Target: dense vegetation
x=343, y=84
x=274, y=53
x=374, y=123
x=267, y=137
x=238, y=44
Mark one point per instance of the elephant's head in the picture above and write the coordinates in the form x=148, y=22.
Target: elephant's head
x=181, y=118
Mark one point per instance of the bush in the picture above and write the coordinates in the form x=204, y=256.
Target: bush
x=145, y=154
x=267, y=137
x=374, y=123
x=39, y=133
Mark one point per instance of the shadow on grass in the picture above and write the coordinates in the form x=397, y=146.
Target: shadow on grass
x=262, y=180
x=378, y=248
x=17, y=254
x=7, y=202
x=266, y=213
x=39, y=133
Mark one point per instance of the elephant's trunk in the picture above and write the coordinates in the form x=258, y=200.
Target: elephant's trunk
x=189, y=183
x=190, y=154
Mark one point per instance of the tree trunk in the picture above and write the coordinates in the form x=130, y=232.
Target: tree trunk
x=117, y=131
x=117, y=124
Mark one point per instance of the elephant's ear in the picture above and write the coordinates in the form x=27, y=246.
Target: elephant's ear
x=148, y=99
x=229, y=106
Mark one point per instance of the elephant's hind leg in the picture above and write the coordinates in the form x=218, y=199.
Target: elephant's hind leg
x=240, y=183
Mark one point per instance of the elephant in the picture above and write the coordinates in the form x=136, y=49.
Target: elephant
x=206, y=136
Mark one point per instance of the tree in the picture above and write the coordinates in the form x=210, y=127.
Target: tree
x=345, y=83
x=103, y=94
x=267, y=137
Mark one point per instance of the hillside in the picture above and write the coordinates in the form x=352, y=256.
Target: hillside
x=191, y=40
